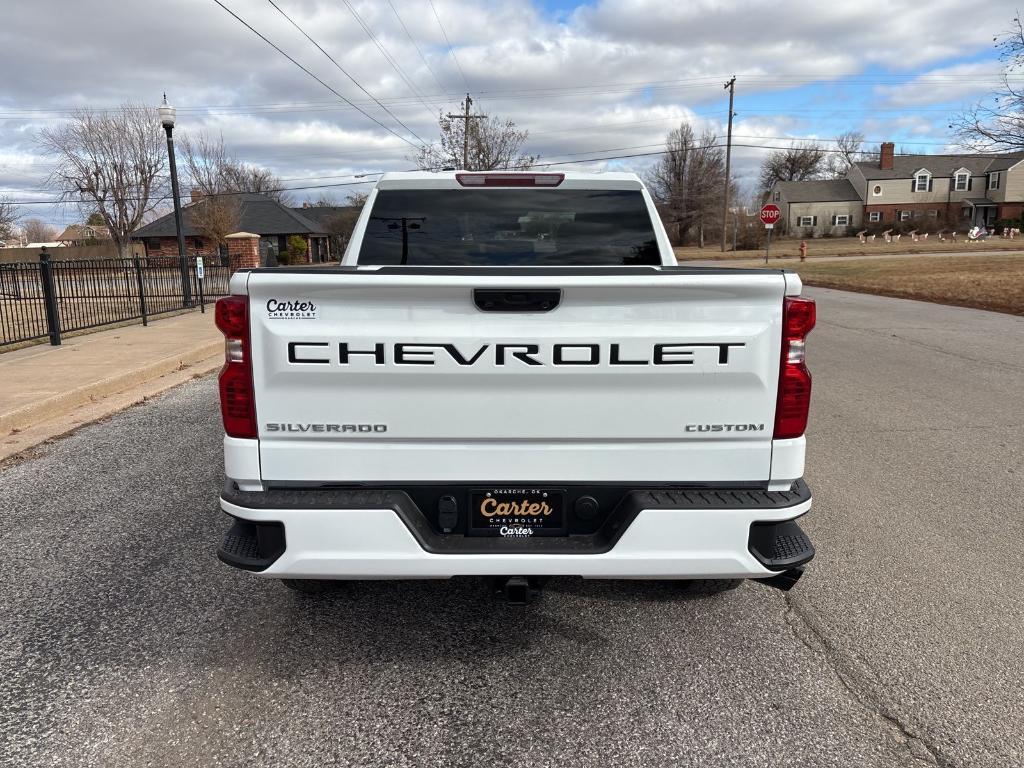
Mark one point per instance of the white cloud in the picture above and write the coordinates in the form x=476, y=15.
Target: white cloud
x=618, y=73
x=962, y=83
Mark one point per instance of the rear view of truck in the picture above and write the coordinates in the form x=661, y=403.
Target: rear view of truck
x=509, y=377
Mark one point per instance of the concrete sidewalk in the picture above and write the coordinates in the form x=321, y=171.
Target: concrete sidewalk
x=46, y=391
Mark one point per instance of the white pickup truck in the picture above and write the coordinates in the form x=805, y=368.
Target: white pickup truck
x=509, y=376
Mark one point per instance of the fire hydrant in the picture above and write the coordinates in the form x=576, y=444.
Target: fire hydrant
x=803, y=250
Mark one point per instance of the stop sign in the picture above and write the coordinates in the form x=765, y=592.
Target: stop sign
x=770, y=214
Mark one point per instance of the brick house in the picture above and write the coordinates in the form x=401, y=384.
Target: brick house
x=259, y=216
x=960, y=191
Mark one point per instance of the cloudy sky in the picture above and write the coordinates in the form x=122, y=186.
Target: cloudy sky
x=588, y=80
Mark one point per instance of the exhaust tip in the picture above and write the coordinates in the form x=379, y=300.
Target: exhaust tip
x=785, y=580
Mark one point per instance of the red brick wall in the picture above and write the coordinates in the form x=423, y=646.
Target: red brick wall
x=168, y=246
x=1011, y=210
x=243, y=252
x=951, y=213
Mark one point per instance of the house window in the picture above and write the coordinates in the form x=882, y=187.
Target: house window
x=153, y=243
x=876, y=190
x=875, y=216
x=921, y=183
x=777, y=196
x=841, y=220
x=905, y=215
x=962, y=180
x=805, y=221
x=933, y=213
x=993, y=181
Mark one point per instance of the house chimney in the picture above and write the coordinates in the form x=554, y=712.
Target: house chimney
x=196, y=194
x=887, y=157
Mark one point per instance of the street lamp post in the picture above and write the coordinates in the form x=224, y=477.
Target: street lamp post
x=167, y=114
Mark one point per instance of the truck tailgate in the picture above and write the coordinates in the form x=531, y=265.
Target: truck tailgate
x=635, y=376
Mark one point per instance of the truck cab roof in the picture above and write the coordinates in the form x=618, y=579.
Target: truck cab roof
x=451, y=179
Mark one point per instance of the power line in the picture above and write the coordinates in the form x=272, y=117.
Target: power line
x=451, y=49
x=394, y=64
x=702, y=81
x=414, y=45
x=601, y=89
x=215, y=194
x=579, y=161
x=344, y=71
x=325, y=85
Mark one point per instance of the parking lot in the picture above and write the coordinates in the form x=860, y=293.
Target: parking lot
x=126, y=643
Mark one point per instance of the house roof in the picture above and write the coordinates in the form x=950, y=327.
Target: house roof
x=1006, y=161
x=904, y=166
x=839, y=190
x=259, y=213
x=322, y=214
x=84, y=232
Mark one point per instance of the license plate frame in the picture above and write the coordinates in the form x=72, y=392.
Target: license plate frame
x=517, y=512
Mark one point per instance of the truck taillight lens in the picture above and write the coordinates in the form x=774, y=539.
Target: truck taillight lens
x=237, y=404
x=798, y=318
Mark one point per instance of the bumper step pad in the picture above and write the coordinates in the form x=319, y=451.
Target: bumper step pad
x=252, y=546
x=780, y=546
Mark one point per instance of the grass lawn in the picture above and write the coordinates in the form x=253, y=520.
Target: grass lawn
x=983, y=282
x=851, y=246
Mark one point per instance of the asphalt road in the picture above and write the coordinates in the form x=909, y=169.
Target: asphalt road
x=123, y=642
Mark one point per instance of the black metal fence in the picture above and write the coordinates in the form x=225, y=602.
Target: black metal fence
x=51, y=297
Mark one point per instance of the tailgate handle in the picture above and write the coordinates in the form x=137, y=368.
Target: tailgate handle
x=513, y=300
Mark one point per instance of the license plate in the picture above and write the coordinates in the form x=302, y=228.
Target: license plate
x=517, y=512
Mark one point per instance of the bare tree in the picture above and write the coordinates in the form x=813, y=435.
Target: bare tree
x=221, y=179
x=9, y=215
x=999, y=125
x=494, y=144
x=244, y=177
x=798, y=162
x=111, y=163
x=849, y=149
x=38, y=231
x=688, y=182
x=342, y=221
x=209, y=168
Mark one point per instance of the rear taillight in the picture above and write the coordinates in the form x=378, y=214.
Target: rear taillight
x=510, y=179
x=798, y=317
x=237, y=403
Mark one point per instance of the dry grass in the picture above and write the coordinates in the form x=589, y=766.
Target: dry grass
x=984, y=282
x=851, y=246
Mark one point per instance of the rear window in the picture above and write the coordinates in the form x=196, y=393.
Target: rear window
x=501, y=227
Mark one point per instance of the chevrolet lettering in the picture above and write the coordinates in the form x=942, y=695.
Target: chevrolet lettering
x=529, y=354
x=508, y=376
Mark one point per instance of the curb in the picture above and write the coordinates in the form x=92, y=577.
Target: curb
x=65, y=402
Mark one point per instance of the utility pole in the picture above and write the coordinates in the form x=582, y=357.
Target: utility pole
x=465, y=130
x=731, y=85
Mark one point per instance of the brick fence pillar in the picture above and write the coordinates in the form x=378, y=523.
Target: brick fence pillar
x=243, y=250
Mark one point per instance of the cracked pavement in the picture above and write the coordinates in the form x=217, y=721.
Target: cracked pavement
x=125, y=642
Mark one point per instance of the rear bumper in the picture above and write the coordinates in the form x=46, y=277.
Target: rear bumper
x=674, y=534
